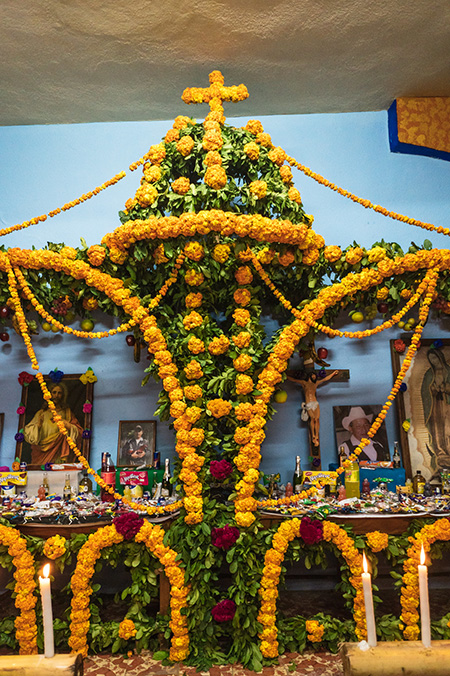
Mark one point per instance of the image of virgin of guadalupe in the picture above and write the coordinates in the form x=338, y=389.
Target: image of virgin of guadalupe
x=435, y=394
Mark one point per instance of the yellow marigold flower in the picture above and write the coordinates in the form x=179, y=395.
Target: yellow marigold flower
x=127, y=629
x=264, y=139
x=406, y=425
x=117, y=256
x=172, y=135
x=212, y=140
x=129, y=204
x=243, y=275
x=406, y=294
x=212, y=158
x=54, y=547
x=377, y=541
x=242, y=339
x=377, y=253
x=294, y=195
x=243, y=411
x=195, y=345
x=382, y=293
x=152, y=173
x=242, y=296
x=219, y=407
x=167, y=370
x=277, y=155
x=244, y=256
x=221, y=253
x=286, y=174
x=193, y=277
x=310, y=256
x=265, y=256
x=170, y=383
x=159, y=254
x=241, y=317
x=286, y=259
x=90, y=303
x=254, y=127
x=193, y=392
x=353, y=256
x=258, y=188
x=181, y=121
x=185, y=145
x=245, y=519
x=193, y=413
x=193, y=300
x=157, y=153
x=244, y=385
x=218, y=345
x=192, y=320
x=215, y=177
x=96, y=254
x=193, y=370
x=252, y=150
x=243, y=362
x=177, y=409
x=68, y=252
x=194, y=251
x=181, y=185
x=146, y=194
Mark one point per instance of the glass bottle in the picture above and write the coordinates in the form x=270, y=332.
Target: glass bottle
x=67, y=490
x=85, y=485
x=418, y=482
x=108, y=475
x=45, y=484
x=41, y=492
x=396, y=459
x=365, y=487
x=297, y=478
x=342, y=455
x=166, y=486
x=352, y=480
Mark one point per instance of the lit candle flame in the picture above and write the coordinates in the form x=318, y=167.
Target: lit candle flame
x=46, y=570
x=365, y=565
x=422, y=556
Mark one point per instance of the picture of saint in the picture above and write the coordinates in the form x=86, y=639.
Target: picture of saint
x=435, y=393
x=352, y=424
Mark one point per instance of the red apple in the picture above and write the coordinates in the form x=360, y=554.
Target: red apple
x=322, y=353
x=4, y=336
x=130, y=340
x=382, y=307
x=4, y=312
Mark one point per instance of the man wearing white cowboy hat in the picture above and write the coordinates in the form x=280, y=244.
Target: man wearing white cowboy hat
x=358, y=422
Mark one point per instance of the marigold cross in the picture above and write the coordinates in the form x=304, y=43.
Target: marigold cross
x=216, y=93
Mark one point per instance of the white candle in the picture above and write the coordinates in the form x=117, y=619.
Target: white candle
x=47, y=612
x=424, y=601
x=368, y=602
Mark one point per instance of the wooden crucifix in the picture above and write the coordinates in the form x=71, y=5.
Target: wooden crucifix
x=310, y=381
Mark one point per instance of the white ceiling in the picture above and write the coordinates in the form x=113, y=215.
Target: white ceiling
x=66, y=61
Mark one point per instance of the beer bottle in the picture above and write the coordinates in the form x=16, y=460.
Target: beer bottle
x=418, y=482
x=396, y=459
x=342, y=455
x=85, y=485
x=297, y=478
x=166, y=486
x=45, y=484
x=67, y=490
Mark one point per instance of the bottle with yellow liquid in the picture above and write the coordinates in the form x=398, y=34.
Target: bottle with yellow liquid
x=352, y=489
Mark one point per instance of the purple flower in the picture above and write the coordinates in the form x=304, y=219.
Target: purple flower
x=438, y=343
x=225, y=537
x=403, y=387
x=220, y=469
x=56, y=375
x=128, y=524
x=19, y=437
x=86, y=434
x=311, y=530
x=321, y=374
x=316, y=462
x=224, y=610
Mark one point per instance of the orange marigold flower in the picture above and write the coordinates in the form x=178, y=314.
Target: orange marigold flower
x=406, y=294
x=185, y=145
x=264, y=139
x=181, y=121
x=193, y=370
x=242, y=339
x=146, y=194
x=215, y=177
x=68, y=252
x=244, y=385
x=382, y=293
x=243, y=362
x=212, y=140
x=218, y=345
x=219, y=407
x=254, y=127
x=127, y=629
x=243, y=411
x=294, y=195
x=221, y=253
x=193, y=392
x=265, y=255
x=181, y=185
x=212, y=158
x=377, y=253
x=193, y=277
x=258, y=188
x=195, y=345
x=252, y=150
x=193, y=300
x=243, y=275
x=194, y=251
x=192, y=320
x=353, y=256
x=286, y=174
x=96, y=254
x=332, y=253
x=377, y=540
x=277, y=155
x=286, y=259
x=90, y=303
x=117, y=256
x=152, y=173
x=157, y=153
x=310, y=256
x=172, y=135
x=242, y=296
x=159, y=254
x=241, y=317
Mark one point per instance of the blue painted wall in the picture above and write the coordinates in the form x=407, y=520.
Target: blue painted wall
x=44, y=166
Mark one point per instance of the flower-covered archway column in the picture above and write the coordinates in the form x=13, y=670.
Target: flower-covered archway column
x=24, y=589
x=440, y=530
x=311, y=531
x=128, y=527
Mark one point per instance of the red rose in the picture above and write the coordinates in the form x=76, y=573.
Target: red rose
x=311, y=530
x=225, y=537
x=399, y=346
x=224, y=610
x=220, y=469
x=128, y=524
x=25, y=378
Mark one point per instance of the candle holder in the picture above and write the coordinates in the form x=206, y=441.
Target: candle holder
x=391, y=658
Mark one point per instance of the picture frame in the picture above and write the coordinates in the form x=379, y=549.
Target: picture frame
x=136, y=444
x=423, y=408
x=352, y=422
x=2, y=423
x=36, y=443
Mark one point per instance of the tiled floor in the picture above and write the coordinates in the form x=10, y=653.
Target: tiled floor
x=313, y=664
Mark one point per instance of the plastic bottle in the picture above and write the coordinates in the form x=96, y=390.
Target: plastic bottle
x=352, y=488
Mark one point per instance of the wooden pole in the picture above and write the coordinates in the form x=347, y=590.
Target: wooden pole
x=38, y=665
x=392, y=658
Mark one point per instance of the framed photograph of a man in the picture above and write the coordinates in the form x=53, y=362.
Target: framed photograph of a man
x=351, y=424
x=423, y=407
x=39, y=440
x=137, y=443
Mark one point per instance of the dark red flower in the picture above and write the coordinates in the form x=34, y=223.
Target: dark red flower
x=128, y=524
x=224, y=610
x=225, y=537
x=399, y=346
x=25, y=378
x=220, y=469
x=311, y=530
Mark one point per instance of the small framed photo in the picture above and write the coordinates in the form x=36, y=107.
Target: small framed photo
x=39, y=440
x=423, y=406
x=137, y=443
x=351, y=424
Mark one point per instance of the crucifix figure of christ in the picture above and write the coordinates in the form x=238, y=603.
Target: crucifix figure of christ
x=309, y=382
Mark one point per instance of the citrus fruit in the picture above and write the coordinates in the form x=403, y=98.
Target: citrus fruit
x=280, y=396
x=55, y=329
x=87, y=325
x=46, y=326
x=357, y=317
